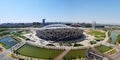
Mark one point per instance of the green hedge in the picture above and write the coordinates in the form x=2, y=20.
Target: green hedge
x=118, y=40
x=103, y=48
x=3, y=44
x=93, y=42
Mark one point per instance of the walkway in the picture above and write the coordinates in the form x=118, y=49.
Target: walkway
x=108, y=44
x=116, y=56
x=17, y=46
x=5, y=53
x=104, y=42
x=98, y=54
x=59, y=57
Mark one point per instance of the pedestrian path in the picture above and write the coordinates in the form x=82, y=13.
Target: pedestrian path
x=108, y=44
x=17, y=46
x=59, y=57
x=4, y=54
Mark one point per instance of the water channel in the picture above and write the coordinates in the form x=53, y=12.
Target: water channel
x=8, y=42
x=114, y=35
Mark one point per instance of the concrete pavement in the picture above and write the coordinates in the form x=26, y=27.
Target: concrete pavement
x=116, y=56
x=59, y=57
x=4, y=55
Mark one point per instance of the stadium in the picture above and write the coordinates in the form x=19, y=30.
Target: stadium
x=60, y=32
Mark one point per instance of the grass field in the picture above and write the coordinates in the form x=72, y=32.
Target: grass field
x=95, y=32
x=4, y=33
x=111, y=52
x=103, y=48
x=19, y=34
x=98, y=34
x=36, y=52
x=118, y=40
x=75, y=54
x=2, y=29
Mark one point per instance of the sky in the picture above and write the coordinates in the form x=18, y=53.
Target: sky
x=101, y=11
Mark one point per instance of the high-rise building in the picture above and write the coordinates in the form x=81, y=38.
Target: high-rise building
x=43, y=21
x=94, y=25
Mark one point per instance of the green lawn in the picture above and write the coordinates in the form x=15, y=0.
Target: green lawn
x=103, y=48
x=95, y=32
x=2, y=29
x=2, y=44
x=93, y=42
x=36, y=52
x=0, y=49
x=4, y=33
x=75, y=54
x=118, y=39
x=19, y=34
x=98, y=34
x=112, y=52
x=109, y=35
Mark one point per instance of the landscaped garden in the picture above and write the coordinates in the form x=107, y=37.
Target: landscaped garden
x=37, y=52
x=76, y=45
x=2, y=29
x=109, y=36
x=1, y=50
x=93, y=42
x=118, y=39
x=19, y=34
x=111, y=52
x=4, y=33
x=103, y=48
x=99, y=35
x=73, y=54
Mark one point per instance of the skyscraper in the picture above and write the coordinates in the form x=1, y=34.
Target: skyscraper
x=93, y=25
x=43, y=22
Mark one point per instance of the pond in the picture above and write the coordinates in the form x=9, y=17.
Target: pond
x=114, y=35
x=8, y=42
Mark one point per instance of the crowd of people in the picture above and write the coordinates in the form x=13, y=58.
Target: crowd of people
x=62, y=34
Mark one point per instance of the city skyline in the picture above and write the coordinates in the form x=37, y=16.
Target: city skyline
x=102, y=11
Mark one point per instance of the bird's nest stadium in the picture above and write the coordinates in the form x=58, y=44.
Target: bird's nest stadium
x=60, y=32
